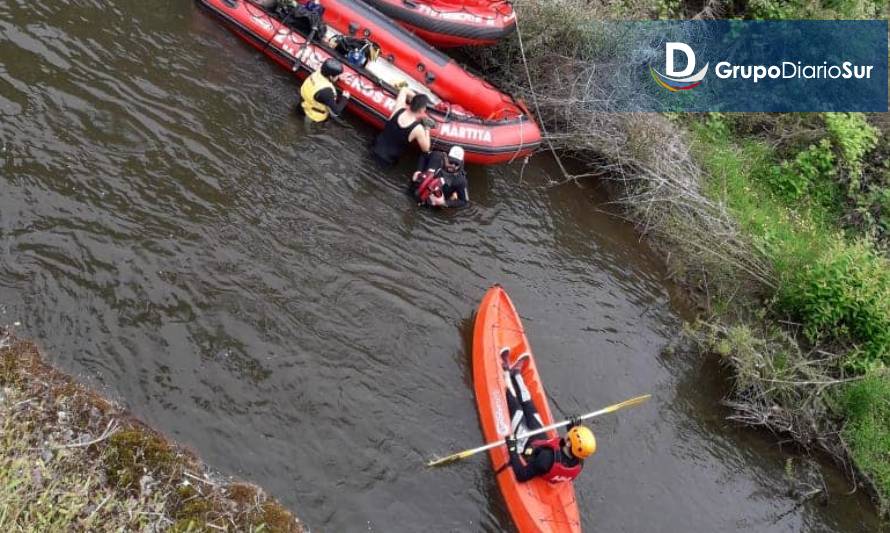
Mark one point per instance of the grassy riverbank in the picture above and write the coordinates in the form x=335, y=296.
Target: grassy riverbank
x=815, y=207
x=73, y=461
x=777, y=225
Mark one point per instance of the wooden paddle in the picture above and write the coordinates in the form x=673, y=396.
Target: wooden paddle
x=453, y=458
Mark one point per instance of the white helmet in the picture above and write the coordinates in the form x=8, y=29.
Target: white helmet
x=456, y=153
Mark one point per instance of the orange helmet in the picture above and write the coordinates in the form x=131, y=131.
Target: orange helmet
x=581, y=441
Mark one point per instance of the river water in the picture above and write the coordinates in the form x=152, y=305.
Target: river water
x=173, y=234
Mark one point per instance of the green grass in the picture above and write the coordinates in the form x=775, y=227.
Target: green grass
x=133, y=480
x=813, y=9
x=867, y=431
x=835, y=283
x=837, y=286
x=735, y=176
x=43, y=488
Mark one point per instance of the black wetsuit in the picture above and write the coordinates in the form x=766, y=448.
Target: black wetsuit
x=329, y=98
x=541, y=459
x=539, y=463
x=392, y=141
x=455, y=182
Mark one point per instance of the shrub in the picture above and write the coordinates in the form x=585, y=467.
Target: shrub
x=774, y=9
x=810, y=173
x=866, y=405
x=843, y=296
x=855, y=137
x=813, y=9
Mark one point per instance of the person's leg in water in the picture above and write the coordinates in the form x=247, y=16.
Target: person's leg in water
x=423, y=161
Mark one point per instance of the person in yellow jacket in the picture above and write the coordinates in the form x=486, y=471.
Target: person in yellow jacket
x=318, y=93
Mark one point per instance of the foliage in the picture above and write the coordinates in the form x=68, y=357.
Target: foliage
x=865, y=174
x=780, y=234
x=668, y=9
x=812, y=9
x=809, y=174
x=867, y=430
x=839, y=290
x=776, y=386
x=844, y=294
x=855, y=137
x=48, y=488
x=133, y=452
x=775, y=9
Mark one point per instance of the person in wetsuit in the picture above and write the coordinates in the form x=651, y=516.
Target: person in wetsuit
x=318, y=94
x=555, y=460
x=405, y=125
x=441, y=180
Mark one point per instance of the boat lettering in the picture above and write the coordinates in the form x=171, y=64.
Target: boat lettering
x=288, y=47
x=500, y=420
x=263, y=21
x=372, y=91
x=313, y=61
x=466, y=133
x=455, y=15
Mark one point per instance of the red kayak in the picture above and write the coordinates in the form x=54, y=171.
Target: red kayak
x=490, y=125
x=449, y=23
x=536, y=506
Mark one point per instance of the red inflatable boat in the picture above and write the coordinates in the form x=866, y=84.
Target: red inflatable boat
x=490, y=125
x=448, y=23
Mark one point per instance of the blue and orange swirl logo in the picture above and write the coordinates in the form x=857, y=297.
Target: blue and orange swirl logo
x=682, y=80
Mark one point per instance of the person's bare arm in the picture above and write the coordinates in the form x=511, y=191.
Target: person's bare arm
x=421, y=136
x=402, y=98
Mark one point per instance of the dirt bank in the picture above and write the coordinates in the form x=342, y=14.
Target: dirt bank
x=72, y=460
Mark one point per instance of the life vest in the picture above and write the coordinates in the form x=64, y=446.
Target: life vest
x=558, y=472
x=449, y=178
x=315, y=110
x=430, y=185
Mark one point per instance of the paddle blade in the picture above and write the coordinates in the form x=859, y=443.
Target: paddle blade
x=627, y=403
x=612, y=408
x=453, y=458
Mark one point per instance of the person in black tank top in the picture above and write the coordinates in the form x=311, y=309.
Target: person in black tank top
x=394, y=139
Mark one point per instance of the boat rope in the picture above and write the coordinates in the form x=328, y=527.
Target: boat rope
x=521, y=144
x=531, y=88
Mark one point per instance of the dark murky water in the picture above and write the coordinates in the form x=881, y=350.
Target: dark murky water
x=172, y=232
